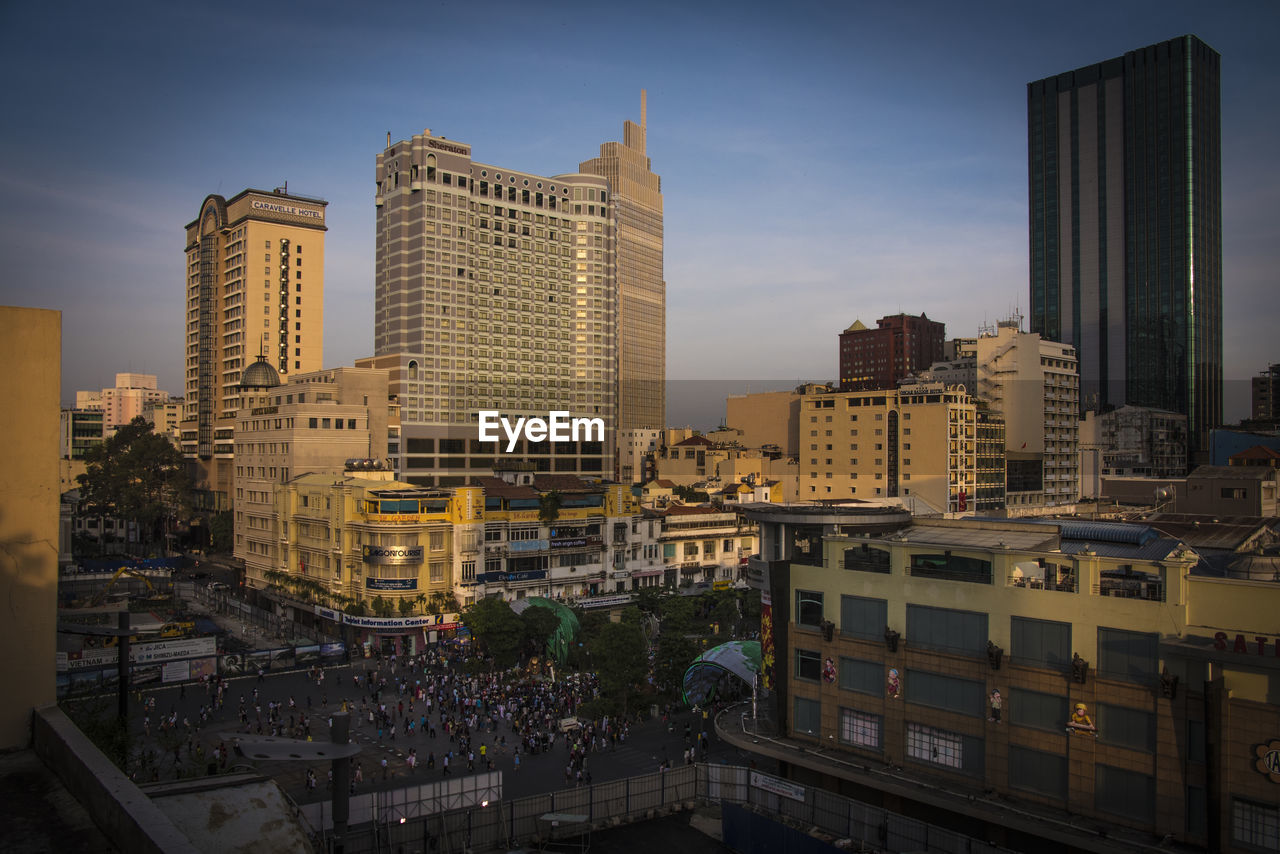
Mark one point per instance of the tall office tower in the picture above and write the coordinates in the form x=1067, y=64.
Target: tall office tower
x=901, y=345
x=1126, y=228
x=234, y=314
x=498, y=289
x=642, y=291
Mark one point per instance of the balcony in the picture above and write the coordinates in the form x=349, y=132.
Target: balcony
x=1134, y=585
x=1066, y=584
x=948, y=567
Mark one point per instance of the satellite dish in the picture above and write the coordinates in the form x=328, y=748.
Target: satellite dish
x=1163, y=493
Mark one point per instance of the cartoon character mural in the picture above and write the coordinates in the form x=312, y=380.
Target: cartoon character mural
x=829, y=671
x=997, y=705
x=1080, y=721
x=895, y=684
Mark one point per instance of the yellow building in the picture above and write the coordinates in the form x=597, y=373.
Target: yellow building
x=31, y=351
x=233, y=313
x=362, y=534
x=1042, y=679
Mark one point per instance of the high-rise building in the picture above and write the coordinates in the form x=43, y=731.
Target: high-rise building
x=1033, y=386
x=1265, y=395
x=503, y=290
x=642, y=291
x=231, y=319
x=1126, y=228
x=901, y=345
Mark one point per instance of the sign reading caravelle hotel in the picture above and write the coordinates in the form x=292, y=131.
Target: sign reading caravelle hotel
x=288, y=210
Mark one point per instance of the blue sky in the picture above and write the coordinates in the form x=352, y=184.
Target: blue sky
x=826, y=163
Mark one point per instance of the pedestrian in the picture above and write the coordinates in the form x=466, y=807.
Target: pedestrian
x=384, y=768
x=261, y=674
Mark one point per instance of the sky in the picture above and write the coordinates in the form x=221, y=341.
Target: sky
x=820, y=162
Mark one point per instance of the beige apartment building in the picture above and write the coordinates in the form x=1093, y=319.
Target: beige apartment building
x=234, y=314
x=503, y=290
x=316, y=423
x=916, y=443
x=130, y=398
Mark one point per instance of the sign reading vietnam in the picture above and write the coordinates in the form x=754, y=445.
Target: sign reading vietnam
x=392, y=555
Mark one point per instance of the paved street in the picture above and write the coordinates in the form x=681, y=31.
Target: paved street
x=649, y=744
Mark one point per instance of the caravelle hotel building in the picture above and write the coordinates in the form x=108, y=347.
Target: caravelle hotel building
x=255, y=286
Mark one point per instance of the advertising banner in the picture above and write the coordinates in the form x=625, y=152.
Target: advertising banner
x=175, y=671
x=766, y=644
x=283, y=659
x=232, y=665
x=308, y=656
x=202, y=667
x=330, y=652
x=390, y=583
x=258, y=659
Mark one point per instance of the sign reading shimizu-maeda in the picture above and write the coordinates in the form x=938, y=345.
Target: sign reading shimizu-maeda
x=288, y=210
x=392, y=555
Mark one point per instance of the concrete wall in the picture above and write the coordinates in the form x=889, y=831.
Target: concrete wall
x=31, y=351
x=118, y=807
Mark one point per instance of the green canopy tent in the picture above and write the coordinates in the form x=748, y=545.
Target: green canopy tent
x=558, y=643
x=740, y=659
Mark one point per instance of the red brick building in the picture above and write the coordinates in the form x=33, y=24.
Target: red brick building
x=877, y=358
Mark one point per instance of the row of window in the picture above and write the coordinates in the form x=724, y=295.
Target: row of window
x=1124, y=655
x=1117, y=791
x=1119, y=725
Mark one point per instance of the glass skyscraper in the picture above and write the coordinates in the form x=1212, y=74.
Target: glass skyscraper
x=1125, y=194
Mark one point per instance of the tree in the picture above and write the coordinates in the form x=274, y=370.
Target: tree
x=497, y=628
x=539, y=624
x=440, y=602
x=620, y=657
x=220, y=532
x=382, y=607
x=549, y=506
x=406, y=606
x=136, y=476
x=675, y=653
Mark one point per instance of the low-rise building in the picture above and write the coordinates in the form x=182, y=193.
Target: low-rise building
x=704, y=543
x=1085, y=683
x=1229, y=491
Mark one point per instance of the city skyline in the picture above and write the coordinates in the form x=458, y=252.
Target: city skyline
x=842, y=164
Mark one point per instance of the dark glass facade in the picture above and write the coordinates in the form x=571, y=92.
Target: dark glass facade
x=1126, y=227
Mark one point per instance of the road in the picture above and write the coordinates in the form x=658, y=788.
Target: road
x=648, y=745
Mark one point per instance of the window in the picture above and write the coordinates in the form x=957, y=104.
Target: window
x=1197, y=810
x=949, y=693
x=947, y=749
x=1041, y=643
x=437, y=570
x=1130, y=656
x=1255, y=824
x=1125, y=793
x=1037, y=771
x=860, y=729
x=865, y=677
x=808, y=716
x=808, y=608
x=436, y=539
x=1195, y=741
x=1037, y=710
x=945, y=630
x=808, y=665
x=1131, y=728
